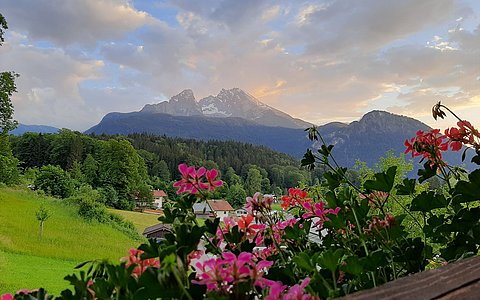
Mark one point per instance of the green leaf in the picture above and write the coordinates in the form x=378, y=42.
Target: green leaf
x=476, y=158
x=325, y=151
x=333, y=179
x=308, y=160
x=374, y=260
x=427, y=172
x=407, y=188
x=383, y=181
x=212, y=225
x=330, y=259
x=353, y=265
x=331, y=199
x=427, y=201
x=303, y=261
x=469, y=190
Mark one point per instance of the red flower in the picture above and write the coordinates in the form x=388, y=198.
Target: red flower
x=245, y=224
x=295, y=197
x=429, y=145
x=466, y=135
x=133, y=258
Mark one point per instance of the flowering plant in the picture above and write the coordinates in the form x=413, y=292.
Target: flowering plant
x=326, y=241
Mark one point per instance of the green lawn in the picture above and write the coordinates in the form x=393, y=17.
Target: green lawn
x=28, y=261
x=140, y=220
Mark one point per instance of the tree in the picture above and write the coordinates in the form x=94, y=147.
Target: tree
x=254, y=181
x=42, y=215
x=122, y=168
x=143, y=197
x=8, y=163
x=7, y=88
x=161, y=170
x=54, y=181
x=231, y=177
x=236, y=195
x=90, y=170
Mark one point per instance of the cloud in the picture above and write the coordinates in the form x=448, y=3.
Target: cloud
x=320, y=61
x=343, y=27
x=66, y=22
x=48, y=86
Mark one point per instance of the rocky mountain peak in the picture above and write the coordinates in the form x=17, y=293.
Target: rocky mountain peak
x=227, y=103
x=185, y=95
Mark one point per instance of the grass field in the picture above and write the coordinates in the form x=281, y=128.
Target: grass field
x=28, y=261
x=140, y=220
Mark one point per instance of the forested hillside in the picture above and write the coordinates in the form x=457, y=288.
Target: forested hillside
x=124, y=168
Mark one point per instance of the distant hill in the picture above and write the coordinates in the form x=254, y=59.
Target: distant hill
x=367, y=139
x=22, y=128
x=287, y=140
x=235, y=115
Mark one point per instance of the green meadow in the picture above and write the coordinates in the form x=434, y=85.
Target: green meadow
x=28, y=261
x=140, y=220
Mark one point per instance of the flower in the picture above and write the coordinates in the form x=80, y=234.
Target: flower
x=295, y=197
x=133, y=258
x=465, y=134
x=222, y=273
x=192, y=180
x=250, y=229
x=429, y=145
x=318, y=211
x=212, y=183
x=296, y=292
x=7, y=296
x=255, y=204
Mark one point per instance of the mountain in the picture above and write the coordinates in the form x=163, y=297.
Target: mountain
x=22, y=128
x=367, y=139
x=370, y=137
x=287, y=140
x=235, y=115
x=227, y=103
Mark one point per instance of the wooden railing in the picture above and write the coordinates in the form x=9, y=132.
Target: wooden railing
x=459, y=280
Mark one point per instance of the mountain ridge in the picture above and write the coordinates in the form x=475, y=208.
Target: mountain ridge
x=227, y=103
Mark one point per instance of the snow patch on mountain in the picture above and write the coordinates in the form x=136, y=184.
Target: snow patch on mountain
x=227, y=103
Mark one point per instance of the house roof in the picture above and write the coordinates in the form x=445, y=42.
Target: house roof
x=159, y=193
x=158, y=227
x=201, y=208
x=220, y=205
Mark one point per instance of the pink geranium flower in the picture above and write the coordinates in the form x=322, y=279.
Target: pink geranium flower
x=192, y=180
x=319, y=211
x=7, y=296
x=212, y=182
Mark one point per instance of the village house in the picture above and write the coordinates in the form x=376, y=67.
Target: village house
x=241, y=212
x=157, y=231
x=221, y=208
x=213, y=209
x=159, y=197
x=202, y=210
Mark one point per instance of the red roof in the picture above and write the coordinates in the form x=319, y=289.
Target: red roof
x=159, y=193
x=220, y=205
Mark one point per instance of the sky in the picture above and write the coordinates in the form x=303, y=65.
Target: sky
x=320, y=61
